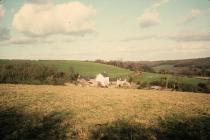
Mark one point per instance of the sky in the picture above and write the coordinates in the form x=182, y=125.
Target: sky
x=132, y=30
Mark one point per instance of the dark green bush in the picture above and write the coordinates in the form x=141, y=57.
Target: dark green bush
x=72, y=75
x=29, y=73
x=158, y=83
x=143, y=85
x=202, y=87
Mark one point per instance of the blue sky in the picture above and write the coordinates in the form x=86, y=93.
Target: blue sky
x=104, y=29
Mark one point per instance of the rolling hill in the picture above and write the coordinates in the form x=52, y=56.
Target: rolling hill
x=89, y=69
x=84, y=68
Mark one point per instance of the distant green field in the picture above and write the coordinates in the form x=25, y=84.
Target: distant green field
x=87, y=69
x=150, y=77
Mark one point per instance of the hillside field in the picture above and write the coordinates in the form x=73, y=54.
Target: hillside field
x=70, y=112
x=151, y=77
x=10, y=72
x=84, y=68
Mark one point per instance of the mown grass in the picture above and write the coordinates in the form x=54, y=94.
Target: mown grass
x=69, y=112
x=85, y=69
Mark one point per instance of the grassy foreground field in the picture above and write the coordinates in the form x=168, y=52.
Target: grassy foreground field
x=70, y=112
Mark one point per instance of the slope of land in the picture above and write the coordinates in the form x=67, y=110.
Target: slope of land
x=84, y=68
x=152, y=77
x=198, y=62
x=197, y=66
x=70, y=112
x=190, y=67
x=90, y=70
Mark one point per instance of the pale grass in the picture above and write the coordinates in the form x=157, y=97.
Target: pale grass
x=93, y=106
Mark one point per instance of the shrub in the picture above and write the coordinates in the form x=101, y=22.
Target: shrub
x=29, y=73
x=186, y=87
x=143, y=85
x=202, y=87
x=72, y=75
x=158, y=83
x=131, y=79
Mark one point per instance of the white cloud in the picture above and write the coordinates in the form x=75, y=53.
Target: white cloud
x=194, y=14
x=22, y=40
x=2, y=11
x=18, y=41
x=149, y=18
x=192, y=47
x=190, y=36
x=72, y=18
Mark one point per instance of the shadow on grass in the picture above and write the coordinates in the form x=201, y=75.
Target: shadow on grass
x=14, y=124
x=170, y=128
x=17, y=125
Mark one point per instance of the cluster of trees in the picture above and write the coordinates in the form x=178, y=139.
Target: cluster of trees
x=189, y=67
x=29, y=73
x=134, y=66
x=187, y=71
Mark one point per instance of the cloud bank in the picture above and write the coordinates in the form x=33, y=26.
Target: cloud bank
x=194, y=14
x=149, y=18
x=73, y=18
x=190, y=36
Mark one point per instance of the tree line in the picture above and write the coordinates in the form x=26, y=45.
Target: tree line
x=133, y=66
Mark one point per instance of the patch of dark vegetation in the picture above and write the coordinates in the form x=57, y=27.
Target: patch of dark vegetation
x=29, y=73
x=176, y=86
x=187, y=67
x=170, y=128
x=182, y=128
x=202, y=87
x=121, y=130
x=17, y=125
